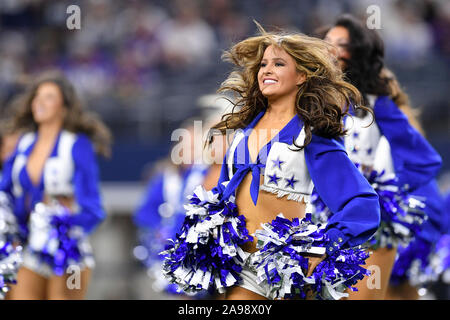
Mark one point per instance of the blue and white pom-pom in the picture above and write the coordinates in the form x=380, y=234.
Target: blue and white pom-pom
x=422, y=263
x=401, y=214
x=9, y=228
x=10, y=253
x=281, y=264
x=151, y=243
x=55, y=241
x=440, y=259
x=412, y=264
x=206, y=254
x=10, y=262
x=320, y=212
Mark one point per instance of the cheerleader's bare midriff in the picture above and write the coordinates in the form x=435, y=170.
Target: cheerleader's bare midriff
x=266, y=209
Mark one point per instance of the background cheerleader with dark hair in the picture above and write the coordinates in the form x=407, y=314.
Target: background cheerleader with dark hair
x=421, y=262
x=360, y=54
x=426, y=259
x=51, y=180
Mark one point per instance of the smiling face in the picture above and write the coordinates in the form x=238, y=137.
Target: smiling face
x=340, y=38
x=278, y=75
x=47, y=104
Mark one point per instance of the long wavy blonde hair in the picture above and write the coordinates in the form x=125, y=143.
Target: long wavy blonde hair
x=321, y=101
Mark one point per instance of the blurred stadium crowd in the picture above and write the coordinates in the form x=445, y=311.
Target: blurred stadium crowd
x=142, y=64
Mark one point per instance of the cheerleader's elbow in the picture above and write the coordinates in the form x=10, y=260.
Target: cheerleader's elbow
x=371, y=209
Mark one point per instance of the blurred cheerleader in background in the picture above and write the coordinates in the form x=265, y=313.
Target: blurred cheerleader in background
x=425, y=260
x=160, y=214
x=51, y=181
x=415, y=163
x=161, y=211
x=251, y=237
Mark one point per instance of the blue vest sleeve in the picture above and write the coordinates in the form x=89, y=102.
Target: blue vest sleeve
x=147, y=216
x=447, y=212
x=351, y=199
x=86, y=188
x=415, y=160
x=6, y=182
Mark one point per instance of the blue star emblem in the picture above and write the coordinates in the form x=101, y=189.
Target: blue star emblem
x=355, y=134
x=291, y=182
x=277, y=163
x=274, y=179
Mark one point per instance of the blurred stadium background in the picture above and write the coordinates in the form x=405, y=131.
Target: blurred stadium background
x=143, y=64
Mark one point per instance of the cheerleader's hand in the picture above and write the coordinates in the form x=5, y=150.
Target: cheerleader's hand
x=313, y=262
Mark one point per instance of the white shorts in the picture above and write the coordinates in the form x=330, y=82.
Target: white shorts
x=249, y=279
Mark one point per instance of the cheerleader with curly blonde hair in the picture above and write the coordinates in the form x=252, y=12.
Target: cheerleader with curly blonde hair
x=251, y=237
